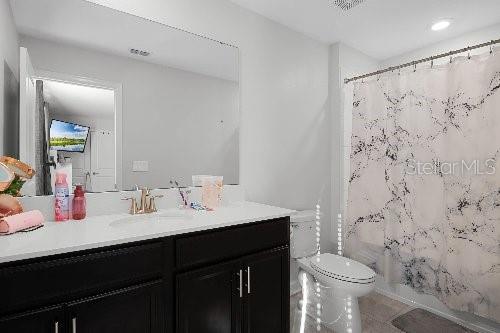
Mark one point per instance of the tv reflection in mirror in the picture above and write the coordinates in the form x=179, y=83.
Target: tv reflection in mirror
x=68, y=137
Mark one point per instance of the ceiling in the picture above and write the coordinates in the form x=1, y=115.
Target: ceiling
x=89, y=25
x=379, y=28
x=78, y=101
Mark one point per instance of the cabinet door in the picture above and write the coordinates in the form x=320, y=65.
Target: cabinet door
x=267, y=287
x=208, y=300
x=135, y=309
x=49, y=320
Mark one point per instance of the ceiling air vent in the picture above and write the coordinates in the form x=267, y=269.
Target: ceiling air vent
x=139, y=52
x=347, y=4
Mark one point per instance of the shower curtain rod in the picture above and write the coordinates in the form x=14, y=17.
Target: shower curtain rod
x=416, y=62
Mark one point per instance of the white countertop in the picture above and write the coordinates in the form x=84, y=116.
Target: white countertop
x=106, y=230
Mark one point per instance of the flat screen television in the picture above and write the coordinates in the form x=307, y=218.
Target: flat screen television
x=69, y=137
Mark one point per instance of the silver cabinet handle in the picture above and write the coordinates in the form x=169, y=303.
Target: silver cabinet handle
x=240, y=274
x=73, y=324
x=248, y=279
x=56, y=327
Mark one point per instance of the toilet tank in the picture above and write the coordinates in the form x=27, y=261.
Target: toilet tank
x=303, y=234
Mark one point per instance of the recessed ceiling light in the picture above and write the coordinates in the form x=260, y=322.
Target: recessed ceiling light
x=441, y=25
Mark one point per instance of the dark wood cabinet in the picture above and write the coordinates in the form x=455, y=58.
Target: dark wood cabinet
x=208, y=300
x=267, y=289
x=48, y=320
x=67, y=277
x=131, y=310
x=228, y=280
x=247, y=295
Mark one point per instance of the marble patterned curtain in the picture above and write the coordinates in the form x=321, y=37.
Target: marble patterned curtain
x=423, y=204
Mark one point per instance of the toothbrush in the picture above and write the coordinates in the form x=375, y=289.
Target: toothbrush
x=180, y=191
x=183, y=198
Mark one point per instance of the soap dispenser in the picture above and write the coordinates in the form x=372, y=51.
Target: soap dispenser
x=79, y=204
x=61, y=202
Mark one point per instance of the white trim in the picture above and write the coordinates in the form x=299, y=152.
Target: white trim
x=75, y=79
x=118, y=111
x=118, y=137
x=26, y=139
x=27, y=106
x=23, y=117
x=240, y=116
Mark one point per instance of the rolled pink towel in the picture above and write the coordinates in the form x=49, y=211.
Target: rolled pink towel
x=22, y=221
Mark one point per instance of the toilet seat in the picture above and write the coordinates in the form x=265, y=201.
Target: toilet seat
x=342, y=268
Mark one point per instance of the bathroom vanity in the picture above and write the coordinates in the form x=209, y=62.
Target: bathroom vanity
x=175, y=271
x=223, y=271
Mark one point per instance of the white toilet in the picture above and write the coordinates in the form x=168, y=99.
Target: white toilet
x=341, y=280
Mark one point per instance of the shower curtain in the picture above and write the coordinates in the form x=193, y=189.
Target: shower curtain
x=423, y=205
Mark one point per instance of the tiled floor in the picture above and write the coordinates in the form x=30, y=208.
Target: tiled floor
x=377, y=312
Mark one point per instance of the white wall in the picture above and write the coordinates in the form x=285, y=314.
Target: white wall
x=171, y=118
x=9, y=56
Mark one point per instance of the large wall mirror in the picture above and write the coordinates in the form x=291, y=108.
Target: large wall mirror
x=120, y=101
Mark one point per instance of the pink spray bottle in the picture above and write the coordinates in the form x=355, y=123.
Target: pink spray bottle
x=61, y=202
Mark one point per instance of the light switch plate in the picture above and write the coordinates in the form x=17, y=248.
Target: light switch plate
x=140, y=166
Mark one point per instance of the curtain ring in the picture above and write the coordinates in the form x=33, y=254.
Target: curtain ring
x=491, y=49
x=451, y=59
x=414, y=68
x=432, y=63
x=468, y=55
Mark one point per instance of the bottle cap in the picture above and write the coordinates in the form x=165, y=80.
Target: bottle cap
x=60, y=177
x=79, y=192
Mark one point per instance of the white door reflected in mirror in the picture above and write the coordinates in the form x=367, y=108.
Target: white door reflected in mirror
x=102, y=145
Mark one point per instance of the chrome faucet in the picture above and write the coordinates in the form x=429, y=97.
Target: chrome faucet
x=147, y=204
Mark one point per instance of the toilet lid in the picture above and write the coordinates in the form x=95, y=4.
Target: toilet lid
x=342, y=268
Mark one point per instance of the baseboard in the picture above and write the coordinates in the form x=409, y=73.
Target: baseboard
x=479, y=327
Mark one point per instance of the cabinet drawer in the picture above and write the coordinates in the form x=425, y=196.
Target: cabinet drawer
x=48, y=281
x=215, y=246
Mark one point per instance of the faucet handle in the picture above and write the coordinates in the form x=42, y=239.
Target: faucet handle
x=152, y=203
x=133, y=205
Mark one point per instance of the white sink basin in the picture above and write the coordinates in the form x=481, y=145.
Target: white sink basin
x=160, y=217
